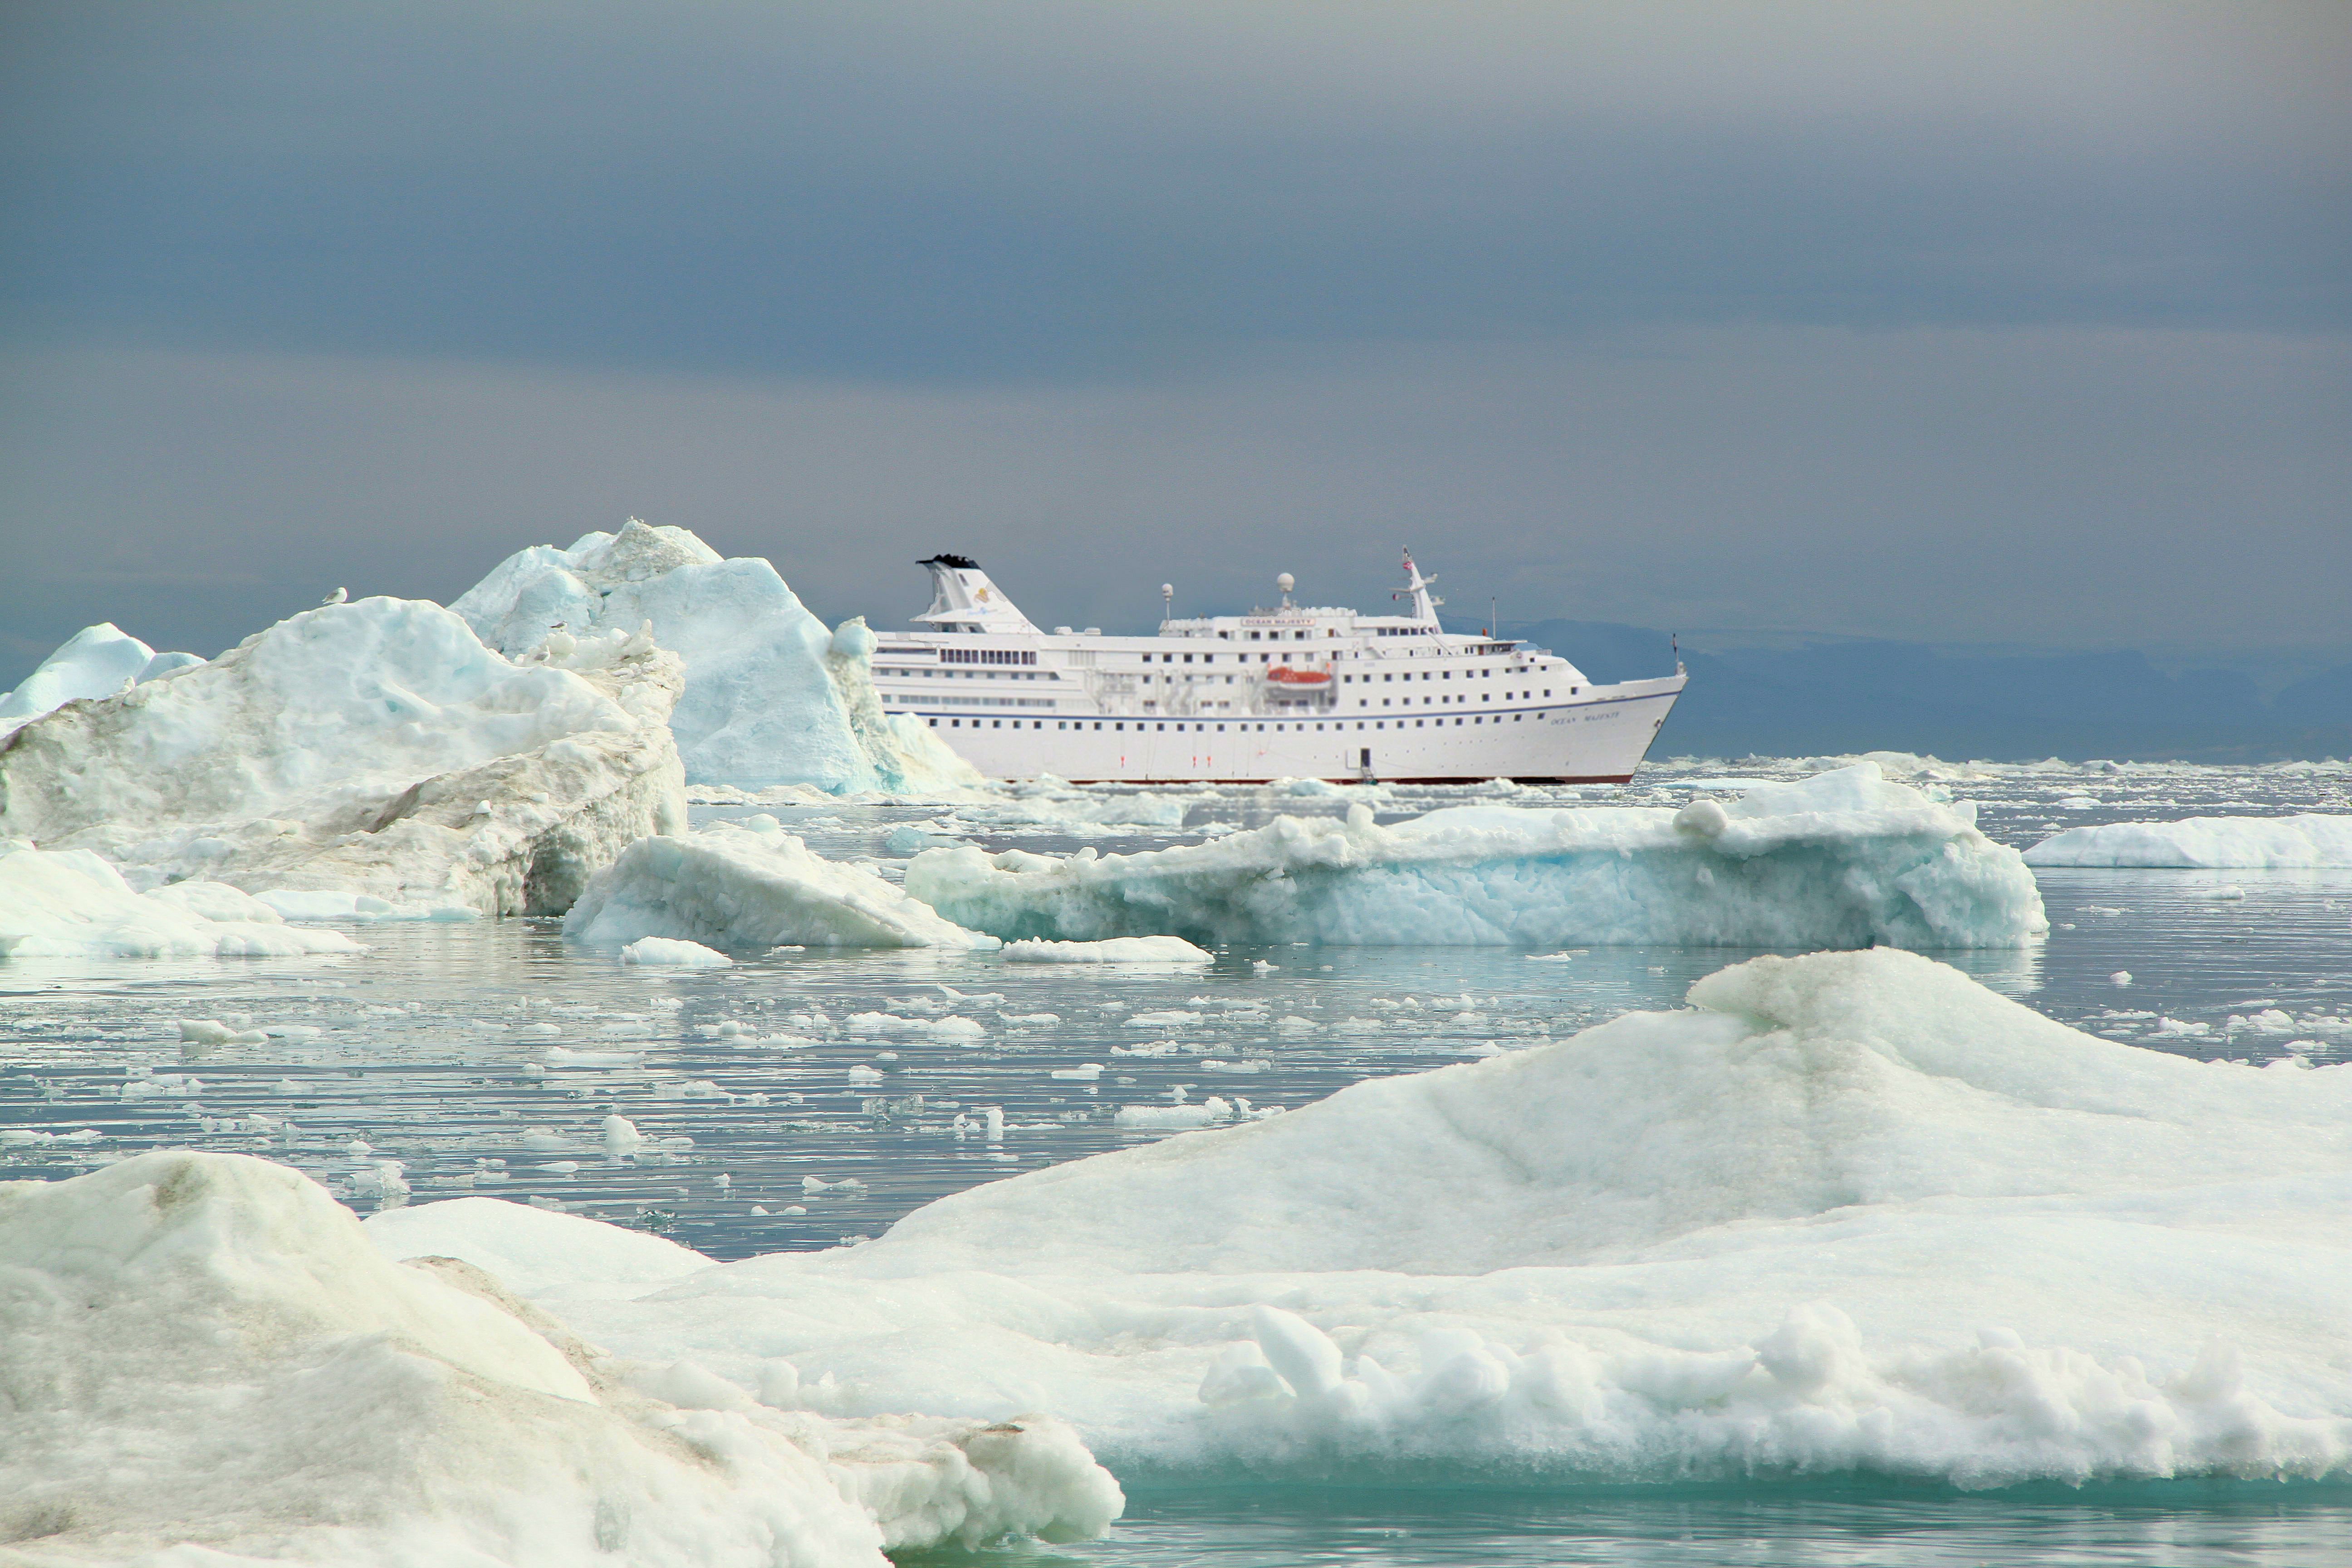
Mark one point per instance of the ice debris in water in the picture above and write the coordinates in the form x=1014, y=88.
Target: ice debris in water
x=2309, y=840
x=372, y=747
x=772, y=698
x=1843, y=859
x=751, y=885
x=1849, y=1212
x=206, y=1352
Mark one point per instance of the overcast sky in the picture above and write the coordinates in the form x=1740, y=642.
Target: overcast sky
x=1975, y=322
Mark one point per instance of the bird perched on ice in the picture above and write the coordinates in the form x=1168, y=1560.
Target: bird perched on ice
x=337, y=597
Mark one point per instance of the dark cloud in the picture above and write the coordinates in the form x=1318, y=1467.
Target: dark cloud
x=978, y=193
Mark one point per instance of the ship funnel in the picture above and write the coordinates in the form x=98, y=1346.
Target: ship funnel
x=963, y=599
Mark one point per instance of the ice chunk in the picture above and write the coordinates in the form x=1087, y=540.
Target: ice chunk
x=1848, y=1213
x=1844, y=860
x=96, y=661
x=205, y=1350
x=772, y=698
x=1116, y=950
x=372, y=747
x=2232, y=843
x=71, y=904
x=752, y=885
x=670, y=952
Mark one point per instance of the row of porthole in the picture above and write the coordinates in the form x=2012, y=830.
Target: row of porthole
x=1121, y=725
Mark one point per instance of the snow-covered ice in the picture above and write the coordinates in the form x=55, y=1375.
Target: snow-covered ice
x=96, y=661
x=751, y=886
x=374, y=747
x=1848, y=1212
x=204, y=1352
x=1164, y=949
x=2309, y=840
x=1844, y=860
x=71, y=904
x=772, y=698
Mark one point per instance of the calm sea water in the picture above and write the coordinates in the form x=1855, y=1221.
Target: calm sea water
x=482, y=1059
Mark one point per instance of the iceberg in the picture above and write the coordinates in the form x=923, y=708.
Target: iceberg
x=207, y=1351
x=1847, y=1214
x=1844, y=860
x=374, y=747
x=2309, y=840
x=749, y=884
x=96, y=661
x=772, y=698
x=71, y=904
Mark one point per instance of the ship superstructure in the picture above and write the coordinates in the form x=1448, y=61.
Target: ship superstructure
x=1289, y=691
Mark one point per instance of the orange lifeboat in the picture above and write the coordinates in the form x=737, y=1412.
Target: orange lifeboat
x=1300, y=679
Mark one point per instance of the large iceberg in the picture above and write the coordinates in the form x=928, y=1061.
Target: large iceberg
x=374, y=747
x=1849, y=1213
x=1844, y=860
x=71, y=904
x=96, y=661
x=751, y=885
x=2231, y=842
x=206, y=1352
x=772, y=698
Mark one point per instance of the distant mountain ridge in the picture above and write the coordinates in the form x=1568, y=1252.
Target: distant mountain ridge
x=1828, y=698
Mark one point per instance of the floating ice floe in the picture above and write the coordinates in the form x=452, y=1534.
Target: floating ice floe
x=376, y=748
x=662, y=951
x=1849, y=1213
x=206, y=1352
x=96, y=661
x=69, y=903
x=2219, y=843
x=749, y=884
x=772, y=698
x=1845, y=859
x=1164, y=949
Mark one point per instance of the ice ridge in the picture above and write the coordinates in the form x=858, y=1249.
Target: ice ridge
x=1845, y=859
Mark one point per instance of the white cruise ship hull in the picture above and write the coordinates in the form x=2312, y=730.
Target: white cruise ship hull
x=1287, y=692
x=1597, y=737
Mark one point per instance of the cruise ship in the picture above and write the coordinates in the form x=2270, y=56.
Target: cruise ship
x=1286, y=692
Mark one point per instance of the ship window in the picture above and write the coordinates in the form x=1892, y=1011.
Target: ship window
x=1388, y=678
x=1119, y=726
x=1449, y=674
x=1097, y=723
x=1221, y=729
x=1062, y=724
x=1163, y=726
x=955, y=724
x=996, y=724
x=935, y=723
x=1261, y=729
x=1417, y=723
x=1253, y=637
x=1170, y=658
x=1574, y=689
x=1547, y=691
x=1187, y=658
